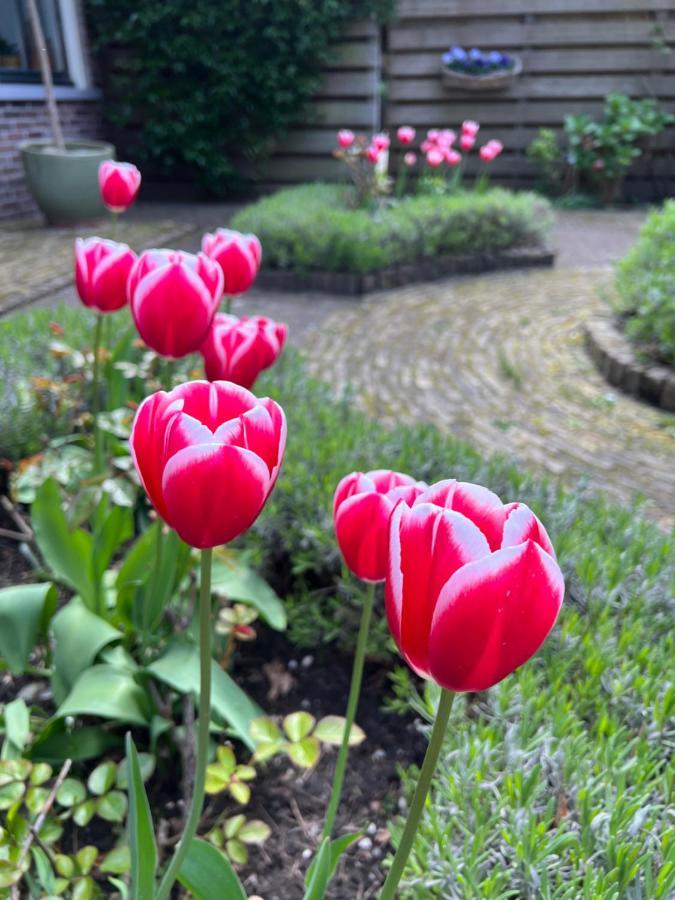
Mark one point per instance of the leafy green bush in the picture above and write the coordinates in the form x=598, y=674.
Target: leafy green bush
x=201, y=88
x=606, y=551
x=311, y=227
x=646, y=284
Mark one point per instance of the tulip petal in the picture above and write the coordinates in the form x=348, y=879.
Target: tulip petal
x=522, y=525
x=214, y=402
x=147, y=447
x=492, y=616
x=361, y=528
x=213, y=493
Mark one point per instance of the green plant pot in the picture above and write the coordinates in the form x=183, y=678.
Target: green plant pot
x=64, y=184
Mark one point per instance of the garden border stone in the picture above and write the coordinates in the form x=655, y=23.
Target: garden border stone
x=355, y=284
x=615, y=357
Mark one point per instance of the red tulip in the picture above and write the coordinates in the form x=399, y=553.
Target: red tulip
x=101, y=271
x=467, y=141
x=345, y=137
x=173, y=297
x=405, y=134
x=473, y=587
x=238, y=255
x=208, y=456
x=381, y=141
x=491, y=150
x=119, y=183
x=372, y=154
x=452, y=157
x=239, y=350
x=435, y=158
x=362, y=507
x=470, y=127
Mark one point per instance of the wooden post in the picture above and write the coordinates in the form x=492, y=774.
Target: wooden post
x=46, y=69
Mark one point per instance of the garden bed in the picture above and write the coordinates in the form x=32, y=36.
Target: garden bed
x=314, y=241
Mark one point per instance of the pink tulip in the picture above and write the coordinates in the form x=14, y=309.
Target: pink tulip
x=426, y=146
x=381, y=141
x=119, y=183
x=173, y=298
x=433, y=134
x=372, y=154
x=435, y=158
x=410, y=159
x=362, y=507
x=238, y=350
x=101, y=271
x=208, y=455
x=238, y=255
x=405, y=134
x=470, y=127
x=473, y=587
x=467, y=141
x=490, y=151
x=345, y=138
x=447, y=137
x=453, y=158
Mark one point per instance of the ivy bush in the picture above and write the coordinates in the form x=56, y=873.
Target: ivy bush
x=200, y=88
x=646, y=284
x=313, y=227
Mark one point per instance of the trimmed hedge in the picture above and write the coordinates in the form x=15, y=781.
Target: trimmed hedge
x=311, y=227
x=646, y=284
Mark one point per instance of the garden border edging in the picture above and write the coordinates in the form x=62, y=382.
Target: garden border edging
x=355, y=284
x=615, y=357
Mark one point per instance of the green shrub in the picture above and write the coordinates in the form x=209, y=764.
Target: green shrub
x=606, y=551
x=311, y=227
x=202, y=89
x=646, y=284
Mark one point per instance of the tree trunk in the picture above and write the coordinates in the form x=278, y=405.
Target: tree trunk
x=46, y=69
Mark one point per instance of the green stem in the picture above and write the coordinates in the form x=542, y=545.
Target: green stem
x=115, y=220
x=352, y=703
x=95, y=399
x=421, y=791
x=228, y=304
x=171, y=873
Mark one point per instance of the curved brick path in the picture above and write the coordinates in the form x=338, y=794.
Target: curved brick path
x=499, y=360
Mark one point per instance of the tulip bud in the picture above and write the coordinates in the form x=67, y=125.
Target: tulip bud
x=119, y=183
x=102, y=268
x=410, y=159
x=345, y=138
x=435, y=158
x=238, y=255
x=405, y=134
x=238, y=350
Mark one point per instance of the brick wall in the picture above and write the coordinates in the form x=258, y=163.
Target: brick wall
x=23, y=120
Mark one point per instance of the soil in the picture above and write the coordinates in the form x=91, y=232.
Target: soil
x=292, y=801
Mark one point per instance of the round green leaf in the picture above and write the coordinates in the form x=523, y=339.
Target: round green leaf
x=226, y=759
x=233, y=824
x=241, y=792
x=102, y=778
x=237, y=851
x=41, y=772
x=64, y=865
x=50, y=832
x=10, y=794
x=245, y=773
x=71, y=792
x=85, y=858
x=83, y=889
x=36, y=797
x=263, y=730
x=254, y=832
x=118, y=861
x=330, y=729
x=217, y=779
x=112, y=807
x=84, y=813
x=304, y=753
x=298, y=725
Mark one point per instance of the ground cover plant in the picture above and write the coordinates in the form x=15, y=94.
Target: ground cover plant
x=645, y=284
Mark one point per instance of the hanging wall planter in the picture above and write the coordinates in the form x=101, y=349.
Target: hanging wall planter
x=473, y=70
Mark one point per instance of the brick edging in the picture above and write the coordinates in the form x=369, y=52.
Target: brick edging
x=354, y=284
x=614, y=356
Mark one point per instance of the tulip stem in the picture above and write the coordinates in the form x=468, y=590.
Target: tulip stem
x=228, y=303
x=420, y=796
x=171, y=873
x=115, y=219
x=352, y=703
x=95, y=398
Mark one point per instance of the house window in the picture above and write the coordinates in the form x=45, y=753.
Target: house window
x=19, y=61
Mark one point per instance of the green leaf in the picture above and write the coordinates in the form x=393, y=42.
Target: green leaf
x=112, y=807
x=237, y=851
x=208, y=875
x=17, y=728
x=241, y=792
x=57, y=742
x=67, y=553
x=24, y=611
x=265, y=730
x=117, y=528
x=85, y=858
x=65, y=865
x=317, y=882
x=10, y=793
x=217, y=779
x=337, y=848
x=102, y=778
x=79, y=636
x=237, y=582
x=40, y=773
x=304, y=753
x=179, y=668
x=147, y=763
x=118, y=861
x=173, y=564
x=254, y=832
x=108, y=693
x=83, y=889
x=141, y=833
x=71, y=792
x=43, y=869
x=330, y=730
x=35, y=799
x=84, y=813
x=298, y=725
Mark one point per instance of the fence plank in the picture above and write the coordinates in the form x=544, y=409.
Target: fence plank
x=424, y=9
x=348, y=84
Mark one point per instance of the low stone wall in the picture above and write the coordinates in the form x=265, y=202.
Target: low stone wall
x=22, y=120
x=355, y=284
x=615, y=357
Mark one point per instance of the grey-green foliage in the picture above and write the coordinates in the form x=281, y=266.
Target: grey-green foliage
x=646, y=283
x=312, y=227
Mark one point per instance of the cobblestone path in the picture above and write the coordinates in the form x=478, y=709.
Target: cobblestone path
x=499, y=361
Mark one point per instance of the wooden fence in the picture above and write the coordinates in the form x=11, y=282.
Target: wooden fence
x=574, y=53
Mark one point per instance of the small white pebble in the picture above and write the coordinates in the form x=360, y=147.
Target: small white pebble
x=306, y=853
x=378, y=755
x=307, y=661
x=292, y=664
x=305, y=704
x=365, y=844
x=377, y=853
x=402, y=805
x=372, y=828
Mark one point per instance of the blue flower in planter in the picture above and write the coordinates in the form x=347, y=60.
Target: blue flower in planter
x=476, y=55
x=496, y=58
x=458, y=54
